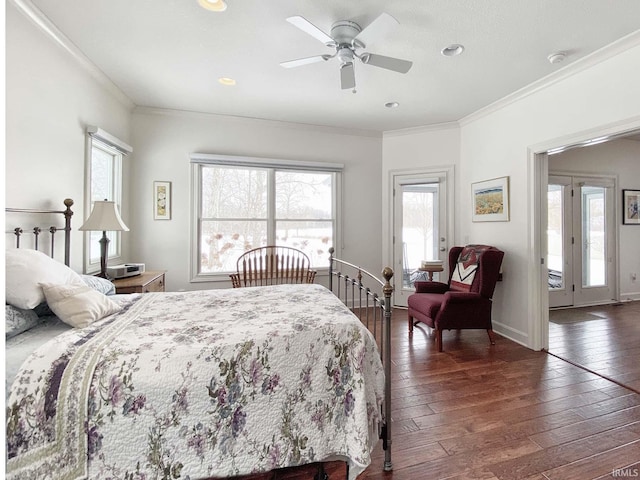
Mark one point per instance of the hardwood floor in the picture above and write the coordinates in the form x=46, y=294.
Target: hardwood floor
x=603, y=339
x=477, y=411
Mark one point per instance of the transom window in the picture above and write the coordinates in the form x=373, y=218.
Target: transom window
x=242, y=204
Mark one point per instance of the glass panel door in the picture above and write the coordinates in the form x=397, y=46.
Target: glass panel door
x=593, y=236
x=559, y=238
x=419, y=229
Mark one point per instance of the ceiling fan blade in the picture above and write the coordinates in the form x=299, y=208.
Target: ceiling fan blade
x=308, y=27
x=377, y=29
x=390, y=63
x=305, y=61
x=347, y=76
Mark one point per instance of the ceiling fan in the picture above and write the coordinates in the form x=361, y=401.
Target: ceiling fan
x=347, y=38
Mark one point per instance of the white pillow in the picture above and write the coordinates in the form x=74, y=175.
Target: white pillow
x=78, y=305
x=26, y=269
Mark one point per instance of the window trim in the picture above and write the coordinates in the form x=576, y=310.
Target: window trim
x=197, y=160
x=111, y=144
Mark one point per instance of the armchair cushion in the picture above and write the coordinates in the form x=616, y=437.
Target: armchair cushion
x=431, y=287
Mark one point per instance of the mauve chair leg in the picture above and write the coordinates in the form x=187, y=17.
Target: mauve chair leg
x=439, y=339
x=492, y=336
x=410, y=323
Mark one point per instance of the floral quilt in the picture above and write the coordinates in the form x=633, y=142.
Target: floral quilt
x=192, y=385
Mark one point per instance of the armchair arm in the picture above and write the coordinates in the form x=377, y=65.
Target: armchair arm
x=452, y=298
x=431, y=287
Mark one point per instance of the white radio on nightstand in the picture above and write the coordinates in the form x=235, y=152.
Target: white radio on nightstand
x=125, y=270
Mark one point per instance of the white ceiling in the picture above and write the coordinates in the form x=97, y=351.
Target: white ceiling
x=170, y=53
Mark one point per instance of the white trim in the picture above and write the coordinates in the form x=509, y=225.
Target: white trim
x=106, y=137
x=264, y=122
x=609, y=51
x=421, y=129
x=34, y=14
x=214, y=159
x=511, y=333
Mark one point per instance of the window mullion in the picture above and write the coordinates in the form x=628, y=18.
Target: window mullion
x=271, y=207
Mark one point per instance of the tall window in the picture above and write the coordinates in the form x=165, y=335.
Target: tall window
x=104, y=182
x=244, y=203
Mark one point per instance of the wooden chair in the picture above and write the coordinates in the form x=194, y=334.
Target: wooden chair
x=272, y=265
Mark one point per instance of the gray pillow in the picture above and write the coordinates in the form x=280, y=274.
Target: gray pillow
x=102, y=285
x=18, y=320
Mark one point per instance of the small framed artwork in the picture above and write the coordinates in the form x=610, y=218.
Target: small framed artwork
x=630, y=207
x=162, y=200
x=491, y=200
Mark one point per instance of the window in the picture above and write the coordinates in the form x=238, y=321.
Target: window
x=244, y=203
x=104, y=182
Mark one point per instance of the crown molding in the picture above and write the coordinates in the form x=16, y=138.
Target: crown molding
x=33, y=13
x=609, y=51
x=421, y=129
x=142, y=110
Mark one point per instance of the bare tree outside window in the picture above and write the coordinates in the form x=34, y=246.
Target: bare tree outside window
x=239, y=214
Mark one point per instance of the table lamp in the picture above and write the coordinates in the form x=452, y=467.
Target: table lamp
x=104, y=217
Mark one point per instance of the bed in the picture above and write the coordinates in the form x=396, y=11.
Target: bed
x=198, y=384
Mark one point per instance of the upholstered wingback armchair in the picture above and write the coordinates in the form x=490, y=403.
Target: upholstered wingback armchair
x=464, y=302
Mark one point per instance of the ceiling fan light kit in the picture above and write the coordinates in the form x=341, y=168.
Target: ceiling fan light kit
x=347, y=38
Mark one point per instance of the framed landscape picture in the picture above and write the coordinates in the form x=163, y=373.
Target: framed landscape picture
x=491, y=200
x=630, y=207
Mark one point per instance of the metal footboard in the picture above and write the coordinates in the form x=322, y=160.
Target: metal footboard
x=372, y=305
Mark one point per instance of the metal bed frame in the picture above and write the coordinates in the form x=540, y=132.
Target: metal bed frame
x=373, y=308
x=68, y=213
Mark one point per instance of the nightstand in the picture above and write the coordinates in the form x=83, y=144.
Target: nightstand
x=143, y=283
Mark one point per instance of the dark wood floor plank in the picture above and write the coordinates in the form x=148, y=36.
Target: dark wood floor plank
x=598, y=465
x=504, y=412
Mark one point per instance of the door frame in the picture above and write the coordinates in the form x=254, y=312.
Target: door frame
x=446, y=171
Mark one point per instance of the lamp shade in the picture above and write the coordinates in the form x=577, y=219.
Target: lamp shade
x=104, y=217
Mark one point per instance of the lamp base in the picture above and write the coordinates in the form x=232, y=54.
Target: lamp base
x=104, y=252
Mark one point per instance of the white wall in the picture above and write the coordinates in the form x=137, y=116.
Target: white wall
x=163, y=141
x=620, y=158
x=409, y=150
x=497, y=142
x=50, y=98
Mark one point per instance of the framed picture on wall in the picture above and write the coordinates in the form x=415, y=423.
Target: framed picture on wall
x=630, y=207
x=162, y=200
x=491, y=200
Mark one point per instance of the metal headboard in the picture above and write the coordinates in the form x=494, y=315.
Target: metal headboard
x=68, y=213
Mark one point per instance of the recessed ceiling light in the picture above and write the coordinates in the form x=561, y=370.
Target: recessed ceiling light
x=213, y=5
x=453, y=50
x=391, y=104
x=557, y=57
x=229, y=82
